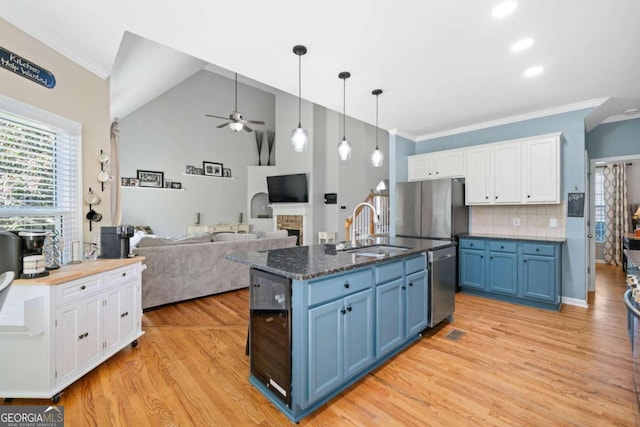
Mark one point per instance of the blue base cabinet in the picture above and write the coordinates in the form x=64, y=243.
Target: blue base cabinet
x=346, y=324
x=518, y=271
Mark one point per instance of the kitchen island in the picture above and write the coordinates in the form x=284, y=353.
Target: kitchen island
x=323, y=318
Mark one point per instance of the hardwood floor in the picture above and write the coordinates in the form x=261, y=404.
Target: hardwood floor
x=513, y=365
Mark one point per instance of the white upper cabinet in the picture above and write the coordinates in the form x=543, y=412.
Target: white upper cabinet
x=542, y=170
x=507, y=171
x=443, y=164
x=524, y=171
x=479, y=180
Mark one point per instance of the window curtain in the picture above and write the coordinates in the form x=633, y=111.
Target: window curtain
x=116, y=209
x=617, y=217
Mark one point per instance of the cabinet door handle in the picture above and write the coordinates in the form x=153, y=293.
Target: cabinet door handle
x=346, y=285
x=501, y=247
x=496, y=197
x=525, y=260
x=403, y=287
x=528, y=196
x=410, y=283
x=81, y=336
x=124, y=274
x=537, y=249
x=349, y=308
x=486, y=197
x=490, y=257
x=481, y=256
x=83, y=287
x=86, y=334
x=343, y=311
x=471, y=245
x=437, y=173
x=256, y=285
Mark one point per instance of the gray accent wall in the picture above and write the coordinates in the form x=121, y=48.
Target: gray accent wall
x=171, y=132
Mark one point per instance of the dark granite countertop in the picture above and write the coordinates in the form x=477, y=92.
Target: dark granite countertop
x=502, y=237
x=308, y=262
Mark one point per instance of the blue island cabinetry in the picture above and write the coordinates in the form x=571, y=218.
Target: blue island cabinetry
x=519, y=271
x=346, y=324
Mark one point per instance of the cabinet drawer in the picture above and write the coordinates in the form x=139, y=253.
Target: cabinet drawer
x=386, y=272
x=502, y=246
x=120, y=275
x=471, y=244
x=339, y=286
x=538, y=249
x=76, y=289
x=415, y=264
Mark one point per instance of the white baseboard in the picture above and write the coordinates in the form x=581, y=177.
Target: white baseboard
x=574, y=301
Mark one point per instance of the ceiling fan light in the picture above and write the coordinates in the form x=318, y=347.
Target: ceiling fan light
x=235, y=126
x=377, y=158
x=344, y=149
x=299, y=139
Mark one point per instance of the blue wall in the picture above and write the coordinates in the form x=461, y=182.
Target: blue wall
x=574, y=173
x=614, y=140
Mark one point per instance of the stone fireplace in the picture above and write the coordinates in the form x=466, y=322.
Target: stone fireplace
x=293, y=218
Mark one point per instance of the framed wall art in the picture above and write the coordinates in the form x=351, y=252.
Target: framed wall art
x=150, y=179
x=212, y=168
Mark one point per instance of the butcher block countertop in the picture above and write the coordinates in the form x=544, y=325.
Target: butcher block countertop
x=70, y=272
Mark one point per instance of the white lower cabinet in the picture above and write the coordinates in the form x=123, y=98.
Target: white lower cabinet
x=60, y=332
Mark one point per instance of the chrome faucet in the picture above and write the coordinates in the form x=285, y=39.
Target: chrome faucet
x=353, y=224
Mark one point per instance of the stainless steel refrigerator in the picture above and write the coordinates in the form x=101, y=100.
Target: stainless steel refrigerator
x=435, y=210
x=432, y=209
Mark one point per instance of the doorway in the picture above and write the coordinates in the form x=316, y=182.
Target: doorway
x=597, y=218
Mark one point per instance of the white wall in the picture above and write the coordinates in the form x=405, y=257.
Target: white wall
x=171, y=132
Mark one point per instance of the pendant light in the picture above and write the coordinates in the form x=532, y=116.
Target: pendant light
x=377, y=157
x=344, y=146
x=299, y=136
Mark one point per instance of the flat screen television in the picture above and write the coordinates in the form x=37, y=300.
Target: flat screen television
x=288, y=188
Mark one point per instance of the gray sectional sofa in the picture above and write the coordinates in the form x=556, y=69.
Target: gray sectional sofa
x=182, y=269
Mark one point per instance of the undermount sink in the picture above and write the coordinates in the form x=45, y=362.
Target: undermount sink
x=378, y=251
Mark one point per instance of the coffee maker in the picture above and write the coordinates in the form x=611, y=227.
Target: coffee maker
x=23, y=249
x=114, y=241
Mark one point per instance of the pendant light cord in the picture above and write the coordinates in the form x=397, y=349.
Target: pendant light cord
x=344, y=108
x=377, y=121
x=299, y=90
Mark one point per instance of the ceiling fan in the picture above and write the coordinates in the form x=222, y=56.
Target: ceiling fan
x=235, y=120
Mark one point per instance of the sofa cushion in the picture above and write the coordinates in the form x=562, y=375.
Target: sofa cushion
x=271, y=234
x=148, y=241
x=227, y=237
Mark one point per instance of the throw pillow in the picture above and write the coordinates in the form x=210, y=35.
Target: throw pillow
x=272, y=234
x=227, y=237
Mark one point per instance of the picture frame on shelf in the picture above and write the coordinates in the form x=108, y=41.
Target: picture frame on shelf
x=190, y=169
x=226, y=172
x=212, y=168
x=176, y=185
x=124, y=181
x=153, y=179
x=198, y=171
x=134, y=182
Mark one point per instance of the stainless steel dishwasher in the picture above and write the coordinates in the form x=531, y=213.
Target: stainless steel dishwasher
x=442, y=284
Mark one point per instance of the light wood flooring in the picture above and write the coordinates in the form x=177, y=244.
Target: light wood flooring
x=514, y=366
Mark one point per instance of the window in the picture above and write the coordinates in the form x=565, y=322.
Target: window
x=40, y=180
x=600, y=216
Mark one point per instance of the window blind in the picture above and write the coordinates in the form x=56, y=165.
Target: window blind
x=39, y=172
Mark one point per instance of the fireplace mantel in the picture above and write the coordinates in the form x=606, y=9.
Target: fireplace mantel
x=301, y=209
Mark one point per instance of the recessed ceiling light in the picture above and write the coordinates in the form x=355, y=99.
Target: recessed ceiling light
x=522, y=44
x=631, y=111
x=533, y=71
x=503, y=9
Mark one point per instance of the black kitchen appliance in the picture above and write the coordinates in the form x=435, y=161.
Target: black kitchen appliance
x=114, y=241
x=22, y=253
x=270, y=332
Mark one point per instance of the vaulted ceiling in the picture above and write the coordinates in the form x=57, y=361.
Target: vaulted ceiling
x=442, y=65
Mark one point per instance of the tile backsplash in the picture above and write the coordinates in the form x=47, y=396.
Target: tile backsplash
x=534, y=220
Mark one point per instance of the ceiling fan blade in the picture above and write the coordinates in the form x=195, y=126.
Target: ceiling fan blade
x=247, y=128
x=255, y=122
x=217, y=117
x=223, y=125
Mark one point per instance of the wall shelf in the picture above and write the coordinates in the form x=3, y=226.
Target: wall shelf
x=208, y=176
x=152, y=188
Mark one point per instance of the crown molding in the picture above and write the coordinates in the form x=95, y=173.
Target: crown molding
x=620, y=118
x=517, y=118
x=405, y=135
x=46, y=38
